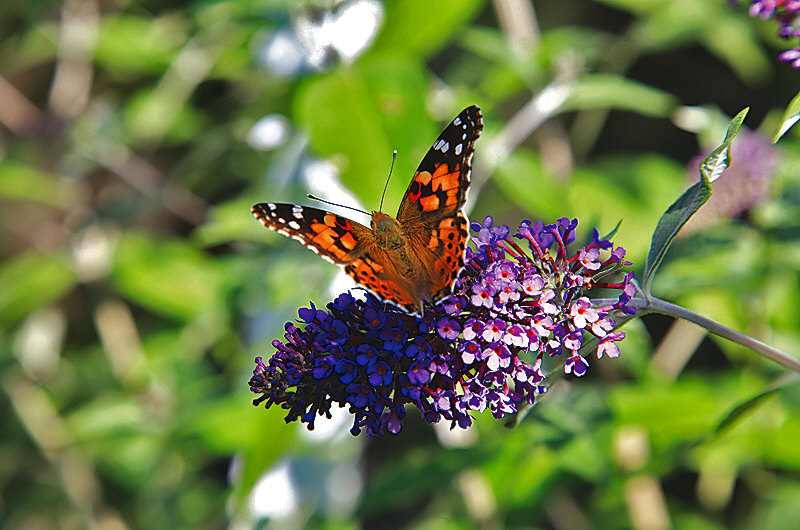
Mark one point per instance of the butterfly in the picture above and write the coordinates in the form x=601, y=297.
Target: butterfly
x=415, y=257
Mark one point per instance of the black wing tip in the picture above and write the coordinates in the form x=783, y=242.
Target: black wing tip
x=259, y=208
x=473, y=114
x=474, y=109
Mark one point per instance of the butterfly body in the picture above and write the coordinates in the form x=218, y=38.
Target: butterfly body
x=415, y=257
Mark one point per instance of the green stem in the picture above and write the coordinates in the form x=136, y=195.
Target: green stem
x=656, y=305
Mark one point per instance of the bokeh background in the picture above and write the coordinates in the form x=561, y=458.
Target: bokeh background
x=136, y=288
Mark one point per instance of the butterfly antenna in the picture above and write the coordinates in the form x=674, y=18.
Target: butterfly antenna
x=394, y=157
x=314, y=197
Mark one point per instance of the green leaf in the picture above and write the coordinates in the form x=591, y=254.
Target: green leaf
x=612, y=91
x=538, y=192
x=358, y=115
x=21, y=181
x=687, y=204
x=739, y=412
x=170, y=278
x=416, y=26
x=131, y=44
x=790, y=117
x=30, y=281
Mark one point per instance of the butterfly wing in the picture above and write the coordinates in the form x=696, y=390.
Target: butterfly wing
x=342, y=242
x=335, y=238
x=431, y=213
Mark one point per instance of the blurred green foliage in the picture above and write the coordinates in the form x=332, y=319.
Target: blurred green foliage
x=135, y=288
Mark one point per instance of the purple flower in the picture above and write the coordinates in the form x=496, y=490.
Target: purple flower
x=472, y=328
x=380, y=374
x=469, y=351
x=448, y=329
x=418, y=373
x=496, y=356
x=588, y=258
x=347, y=371
x=367, y=355
x=481, y=348
x=786, y=14
x=576, y=365
x=493, y=330
x=482, y=295
x=607, y=344
x=582, y=313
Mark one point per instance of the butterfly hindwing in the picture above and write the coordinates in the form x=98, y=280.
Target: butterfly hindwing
x=335, y=238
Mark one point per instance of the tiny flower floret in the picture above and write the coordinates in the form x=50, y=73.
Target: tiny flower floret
x=480, y=349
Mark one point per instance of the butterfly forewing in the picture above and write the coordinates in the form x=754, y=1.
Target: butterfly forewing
x=441, y=182
x=335, y=238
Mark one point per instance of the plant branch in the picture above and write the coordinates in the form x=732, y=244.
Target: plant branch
x=656, y=305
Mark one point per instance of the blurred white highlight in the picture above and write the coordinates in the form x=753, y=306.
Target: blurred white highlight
x=274, y=494
x=268, y=132
x=347, y=32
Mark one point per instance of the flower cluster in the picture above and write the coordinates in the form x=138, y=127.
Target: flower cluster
x=786, y=13
x=481, y=348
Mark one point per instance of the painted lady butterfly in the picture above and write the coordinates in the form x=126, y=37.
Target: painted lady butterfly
x=415, y=258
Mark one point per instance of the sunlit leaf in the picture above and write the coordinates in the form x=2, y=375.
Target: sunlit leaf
x=681, y=210
x=29, y=281
x=790, y=116
x=611, y=91
x=360, y=114
x=417, y=26
x=168, y=277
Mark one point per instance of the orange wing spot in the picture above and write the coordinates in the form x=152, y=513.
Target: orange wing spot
x=447, y=181
x=429, y=203
x=318, y=227
x=434, y=242
x=452, y=197
x=443, y=169
x=374, y=266
x=329, y=219
x=348, y=241
x=423, y=177
x=326, y=238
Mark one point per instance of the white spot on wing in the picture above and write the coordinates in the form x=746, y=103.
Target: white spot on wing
x=458, y=149
x=444, y=147
x=271, y=206
x=457, y=121
x=294, y=224
x=297, y=211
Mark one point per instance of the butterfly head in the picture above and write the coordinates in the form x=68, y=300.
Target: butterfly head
x=387, y=230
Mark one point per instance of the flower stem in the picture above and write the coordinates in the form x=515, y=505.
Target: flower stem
x=656, y=305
